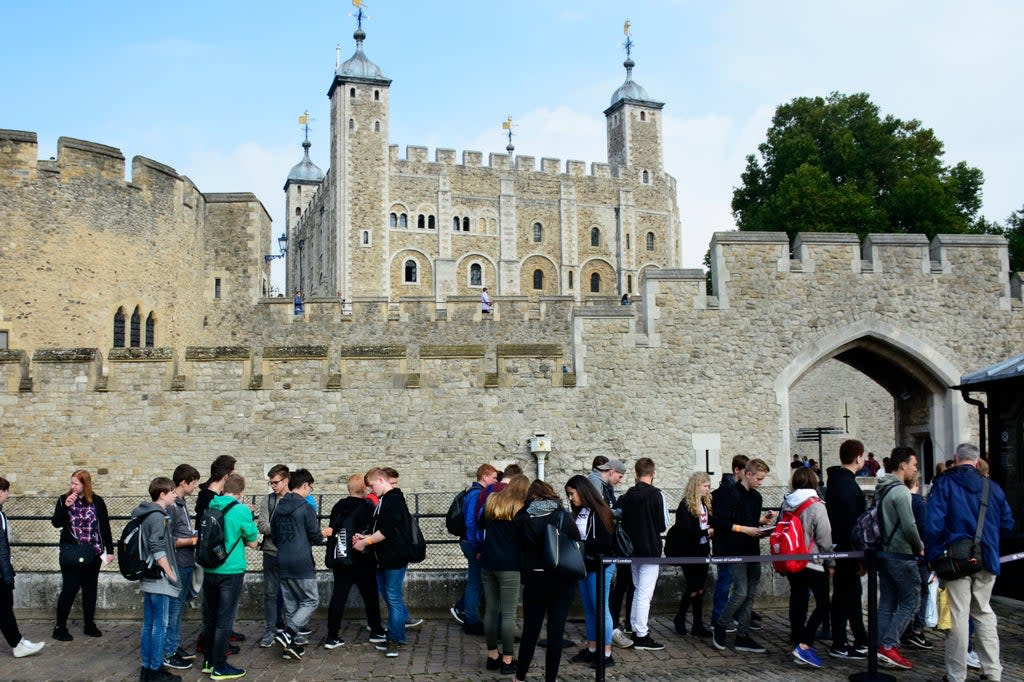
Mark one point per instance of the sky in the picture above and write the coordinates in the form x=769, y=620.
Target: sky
x=214, y=89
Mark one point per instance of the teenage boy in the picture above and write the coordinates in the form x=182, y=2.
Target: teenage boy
x=467, y=609
x=737, y=519
x=157, y=593
x=295, y=530
x=273, y=602
x=844, y=501
x=222, y=586
x=644, y=518
x=723, y=576
x=186, y=480
x=389, y=540
x=8, y=624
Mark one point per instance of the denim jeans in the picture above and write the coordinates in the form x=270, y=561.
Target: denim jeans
x=592, y=606
x=746, y=581
x=173, y=638
x=899, y=597
x=474, y=584
x=301, y=597
x=221, y=592
x=723, y=581
x=390, y=582
x=155, y=609
x=273, y=601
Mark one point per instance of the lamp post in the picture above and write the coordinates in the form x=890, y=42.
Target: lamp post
x=282, y=247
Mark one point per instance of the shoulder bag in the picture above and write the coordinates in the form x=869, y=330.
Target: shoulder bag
x=963, y=557
x=76, y=555
x=562, y=554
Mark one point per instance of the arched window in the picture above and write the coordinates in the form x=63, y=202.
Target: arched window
x=476, y=275
x=393, y=220
x=150, y=330
x=629, y=284
x=465, y=224
x=570, y=280
x=430, y=223
x=119, y=328
x=538, y=279
x=351, y=92
x=136, y=328
x=421, y=221
x=538, y=232
x=456, y=224
x=298, y=211
x=403, y=221
x=643, y=115
x=351, y=124
x=627, y=240
x=650, y=241
x=376, y=126
x=376, y=95
x=647, y=178
x=595, y=237
x=366, y=237
x=595, y=283
x=410, y=271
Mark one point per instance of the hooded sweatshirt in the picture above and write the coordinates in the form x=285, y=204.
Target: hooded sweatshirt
x=295, y=530
x=897, y=517
x=158, y=543
x=239, y=528
x=845, y=502
x=817, y=529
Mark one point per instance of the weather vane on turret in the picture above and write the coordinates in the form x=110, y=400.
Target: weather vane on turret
x=507, y=125
x=629, y=39
x=358, y=4
x=304, y=122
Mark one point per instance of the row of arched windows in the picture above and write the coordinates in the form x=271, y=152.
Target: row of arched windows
x=410, y=272
x=401, y=221
x=134, y=338
x=352, y=94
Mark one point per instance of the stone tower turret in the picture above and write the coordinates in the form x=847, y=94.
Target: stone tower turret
x=360, y=170
x=634, y=129
x=303, y=181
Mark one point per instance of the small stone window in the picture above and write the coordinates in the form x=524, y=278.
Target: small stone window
x=538, y=279
x=430, y=223
x=456, y=224
x=3, y=339
x=216, y=287
x=646, y=178
x=150, y=330
x=627, y=240
x=298, y=211
x=595, y=283
x=366, y=237
x=465, y=224
x=403, y=221
x=629, y=284
x=352, y=93
x=376, y=95
x=393, y=220
x=538, y=234
x=376, y=126
x=650, y=241
x=119, y=328
x=410, y=272
x=643, y=115
x=570, y=281
x=136, y=328
x=421, y=221
x=351, y=124
x=595, y=237
x=476, y=275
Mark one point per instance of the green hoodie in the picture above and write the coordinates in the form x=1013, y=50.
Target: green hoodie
x=238, y=523
x=897, y=509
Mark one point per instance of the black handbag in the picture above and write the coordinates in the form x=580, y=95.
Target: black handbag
x=963, y=557
x=562, y=554
x=77, y=555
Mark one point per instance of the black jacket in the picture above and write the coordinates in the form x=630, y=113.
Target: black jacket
x=735, y=505
x=531, y=529
x=643, y=518
x=500, y=549
x=355, y=514
x=844, y=501
x=62, y=520
x=203, y=498
x=6, y=568
x=597, y=542
x=392, y=518
x=691, y=533
x=295, y=530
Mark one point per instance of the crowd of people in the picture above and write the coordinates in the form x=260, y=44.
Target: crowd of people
x=507, y=523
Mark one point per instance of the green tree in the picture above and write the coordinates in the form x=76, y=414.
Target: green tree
x=1014, y=233
x=836, y=165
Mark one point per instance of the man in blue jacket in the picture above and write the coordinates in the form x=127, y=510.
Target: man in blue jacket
x=467, y=609
x=954, y=505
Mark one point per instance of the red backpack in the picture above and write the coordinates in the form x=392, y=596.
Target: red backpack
x=788, y=538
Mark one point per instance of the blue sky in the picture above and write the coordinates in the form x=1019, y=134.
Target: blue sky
x=214, y=88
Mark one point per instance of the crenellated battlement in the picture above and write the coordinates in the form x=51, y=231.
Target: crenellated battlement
x=444, y=157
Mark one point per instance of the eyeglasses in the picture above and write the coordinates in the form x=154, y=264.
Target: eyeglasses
x=277, y=482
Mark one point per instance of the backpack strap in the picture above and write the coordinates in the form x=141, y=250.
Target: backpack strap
x=224, y=513
x=881, y=516
x=806, y=503
x=984, y=508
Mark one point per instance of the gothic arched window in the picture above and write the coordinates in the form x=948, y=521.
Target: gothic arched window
x=136, y=328
x=393, y=220
x=410, y=271
x=538, y=233
x=595, y=237
x=650, y=241
x=119, y=328
x=595, y=283
x=476, y=275
x=538, y=279
x=150, y=330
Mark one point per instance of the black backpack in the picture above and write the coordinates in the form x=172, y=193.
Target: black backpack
x=417, y=543
x=211, y=552
x=455, y=519
x=132, y=558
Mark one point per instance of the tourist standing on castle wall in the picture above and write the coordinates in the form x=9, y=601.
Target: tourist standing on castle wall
x=485, y=301
x=273, y=601
x=723, y=575
x=500, y=566
x=157, y=539
x=644, y=518
x=8, y=624
x=389, y=539
x=467, y=609
x=186, y=480
x=844, y=501
x=693, y=517
x=737, y=521
x=349, y=516
x=298, y=300
x=546, y=592
x=82, y=518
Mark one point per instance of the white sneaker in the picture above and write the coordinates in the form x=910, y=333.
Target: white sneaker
x=972, y=660
x=27, y=648
x=620, y=639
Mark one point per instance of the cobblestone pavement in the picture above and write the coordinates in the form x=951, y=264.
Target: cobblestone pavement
x=439, y=652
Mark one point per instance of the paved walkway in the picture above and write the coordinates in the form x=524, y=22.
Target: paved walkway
x=439, y=652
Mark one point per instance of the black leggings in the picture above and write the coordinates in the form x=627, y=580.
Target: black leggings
x=365, y=580
x=548, y=594
x=72, y=579
x=801, y=586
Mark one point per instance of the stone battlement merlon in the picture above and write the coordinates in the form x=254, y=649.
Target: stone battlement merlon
x=443, y=156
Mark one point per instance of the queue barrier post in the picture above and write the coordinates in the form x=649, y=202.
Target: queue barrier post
x=872, y=674
x=599, y=634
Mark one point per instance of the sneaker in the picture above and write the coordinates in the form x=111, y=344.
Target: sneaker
x=334, y=642
x=237, y=637
x=458, y=615
x=508, y=668
x=61, y=634
x=207, y=667
x=583, y=656
x=227, y=672
x=973, y=661
x=839, y=652
x=378, y=637
x=186, y=656
x=892, y=656
x=645, y=643
x=917, y=640
x=754, y=615
x=300, y=639
x=754, y=625
x=620, y=639
x=806, y=657
x=267, y=640
x=733, y=626
x=163, y=676
x=700, y=631
x=390, y=648
x=608, y=662
x=493, y=663
x=304, y=632
x=718, y=637
x=176, y=662
x=860, y=649
x=27, y=648
x=283, y=638
x=293, y=651
x=413, y=623
x=748, y=644
x=233, y=649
